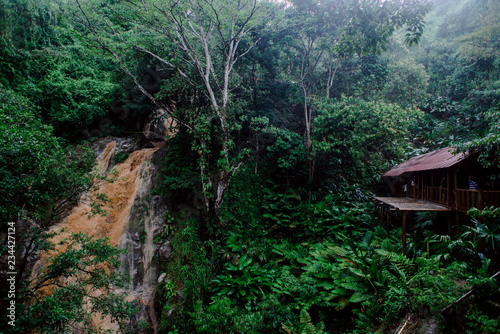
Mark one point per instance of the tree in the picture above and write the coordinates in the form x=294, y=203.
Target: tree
x=76, y=271
x=39, y=178
x=323, y=29
x=407, y=82
x=41, y=58
x=201, y=40
x=310, y=22
x=357, y=139
x=485, y=41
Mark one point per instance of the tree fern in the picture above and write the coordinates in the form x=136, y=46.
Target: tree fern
x=306, y=326
x=400, y=263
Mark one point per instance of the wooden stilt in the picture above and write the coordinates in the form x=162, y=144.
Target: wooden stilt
x=381, y=214
x=388, y=221
x=421, y=186
x=455, y=182
x=455, y=203
x=404, y=233
x=449, y=222
x=448, y=188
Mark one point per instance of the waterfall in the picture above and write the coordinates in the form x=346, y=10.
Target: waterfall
x=134, y=216
x=121, y=194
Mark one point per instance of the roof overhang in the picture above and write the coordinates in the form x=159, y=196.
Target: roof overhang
x=440, y=159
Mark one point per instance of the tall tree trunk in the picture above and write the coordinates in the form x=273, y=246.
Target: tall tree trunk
x=331, y=76
x=207, y=37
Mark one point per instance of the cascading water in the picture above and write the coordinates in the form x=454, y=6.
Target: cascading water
x=133, y=218
x=121, y=194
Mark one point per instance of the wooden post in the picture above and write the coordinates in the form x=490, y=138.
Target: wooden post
x=381, y=213
x=404, y=233
x=432, y=192
x=480, y=199
x=465, y=195
x=457, y=215
x=421, y=186
x=417, y=186
x=455, y=180
x=448, y=218
x=388, y=221
x=448, y=187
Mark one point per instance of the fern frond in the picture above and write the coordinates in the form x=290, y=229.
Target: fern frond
x=343, y=303
x=304, y=316
x=403, y=265
x=306, y=326
x=353, y=286
x=286, y=329
x=358, y=297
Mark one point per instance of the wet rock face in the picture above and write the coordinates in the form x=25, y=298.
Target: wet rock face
x=165, y=251
x=159, y=126
x=142, y=214
x=144, y=238
x=123, y=145
x=145, y=227
x=123, y=148
x=135, y=218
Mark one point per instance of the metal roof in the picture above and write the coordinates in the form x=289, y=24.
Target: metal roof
x=443, y=158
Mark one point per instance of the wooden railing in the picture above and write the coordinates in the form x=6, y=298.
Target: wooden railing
x=491, y=198
x=412, y=192
x=416, y=192
x=466, y=199
x=461, y=199
x=436, y=194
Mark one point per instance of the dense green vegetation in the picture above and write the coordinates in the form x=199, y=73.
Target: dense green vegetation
x=287, y=116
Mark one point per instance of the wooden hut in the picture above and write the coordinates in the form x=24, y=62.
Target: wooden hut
x=441, y=180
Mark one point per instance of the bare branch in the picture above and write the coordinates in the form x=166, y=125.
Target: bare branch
x=126, y=69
